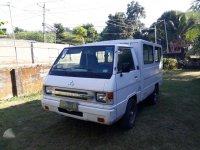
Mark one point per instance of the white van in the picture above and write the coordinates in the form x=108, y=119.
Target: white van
x=104, y=81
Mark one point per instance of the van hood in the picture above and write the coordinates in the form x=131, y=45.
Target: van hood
x=91, y=84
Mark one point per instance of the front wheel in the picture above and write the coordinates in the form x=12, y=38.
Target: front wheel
x=128, y=120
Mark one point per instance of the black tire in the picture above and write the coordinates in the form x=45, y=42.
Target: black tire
x=153, y=98
x=128, y=120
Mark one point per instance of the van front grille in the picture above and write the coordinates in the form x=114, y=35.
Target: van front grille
x=72, y=94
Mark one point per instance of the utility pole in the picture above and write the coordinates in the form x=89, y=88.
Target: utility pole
x=13, y=34
x=19, y=89
x=44, y=32
x=166, y=36
x=43, y=23
x=155, y=33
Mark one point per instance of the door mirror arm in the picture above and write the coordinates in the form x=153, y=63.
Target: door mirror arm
x=121, y=73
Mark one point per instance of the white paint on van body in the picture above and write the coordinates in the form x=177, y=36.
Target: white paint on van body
x=139, y=83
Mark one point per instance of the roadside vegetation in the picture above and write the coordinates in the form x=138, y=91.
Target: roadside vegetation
x=172, y=124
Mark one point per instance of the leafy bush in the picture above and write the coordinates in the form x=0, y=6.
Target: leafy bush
x=72, y=39
x=35, y=36
x=169, y=63
x=189, y=63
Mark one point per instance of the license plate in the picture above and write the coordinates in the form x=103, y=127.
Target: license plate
x=70, y=106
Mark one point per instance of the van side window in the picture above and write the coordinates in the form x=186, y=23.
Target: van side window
x=125, y=58
x=148, y=54
x=157, y=54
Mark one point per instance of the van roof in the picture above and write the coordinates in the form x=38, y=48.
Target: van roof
x=103, y=44
x=124, y=42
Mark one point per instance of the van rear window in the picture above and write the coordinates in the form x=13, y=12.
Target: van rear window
x=148, y=56
x=157, y=54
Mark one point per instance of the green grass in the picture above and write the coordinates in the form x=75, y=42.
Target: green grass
x=172, y=124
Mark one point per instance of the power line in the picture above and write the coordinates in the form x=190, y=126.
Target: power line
x=27, y=10
x=44, y=13
x=113, y=22
x=27, y=18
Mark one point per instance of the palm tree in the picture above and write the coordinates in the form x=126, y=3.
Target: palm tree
x=196, y=5
x=177, y=26
x=180, y=27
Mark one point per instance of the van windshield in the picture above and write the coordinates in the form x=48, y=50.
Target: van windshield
x=86, y=62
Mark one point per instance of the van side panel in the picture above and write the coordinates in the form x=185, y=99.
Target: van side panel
x=150, y=73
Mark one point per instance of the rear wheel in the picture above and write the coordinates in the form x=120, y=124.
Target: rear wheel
x=153, y=99
x=128, y=120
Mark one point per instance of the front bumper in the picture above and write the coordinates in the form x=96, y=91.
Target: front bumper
x=88, y=113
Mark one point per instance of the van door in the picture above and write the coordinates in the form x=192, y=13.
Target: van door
x=127, y=77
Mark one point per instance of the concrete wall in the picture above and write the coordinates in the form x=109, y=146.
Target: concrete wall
x=28, y=52
x=5, y=83
x=34, y=61
x=22, y=81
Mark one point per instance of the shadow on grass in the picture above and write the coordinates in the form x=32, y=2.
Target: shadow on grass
x=182, y=75
x=35, y=128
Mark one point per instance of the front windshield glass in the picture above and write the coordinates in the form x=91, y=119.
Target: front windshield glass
x=87, y=61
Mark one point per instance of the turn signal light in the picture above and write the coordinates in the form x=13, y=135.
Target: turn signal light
x=109, y=96
x=101, y=120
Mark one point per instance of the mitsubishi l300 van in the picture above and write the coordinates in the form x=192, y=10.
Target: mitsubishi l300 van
x=103, y=82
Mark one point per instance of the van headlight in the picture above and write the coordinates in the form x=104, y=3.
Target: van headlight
x=105, y=97
x=48, y=89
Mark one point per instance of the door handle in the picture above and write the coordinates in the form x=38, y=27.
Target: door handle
x=136, y=77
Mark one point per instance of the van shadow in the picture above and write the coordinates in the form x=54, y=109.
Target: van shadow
x=34, y=128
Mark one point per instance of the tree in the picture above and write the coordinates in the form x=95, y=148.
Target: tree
x=80, y=32
x=72, y=39
x=79, y=35
x=59, y=30
x=116, y=27
x=17, y=29
x=196, y=5
x=2, y=31
x=194, y=32
x=177, y=23
x=91, y=33
x=193, y=35
x=134, y=13
x=123, y=26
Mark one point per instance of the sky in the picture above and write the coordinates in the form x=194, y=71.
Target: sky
x=28, y=14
